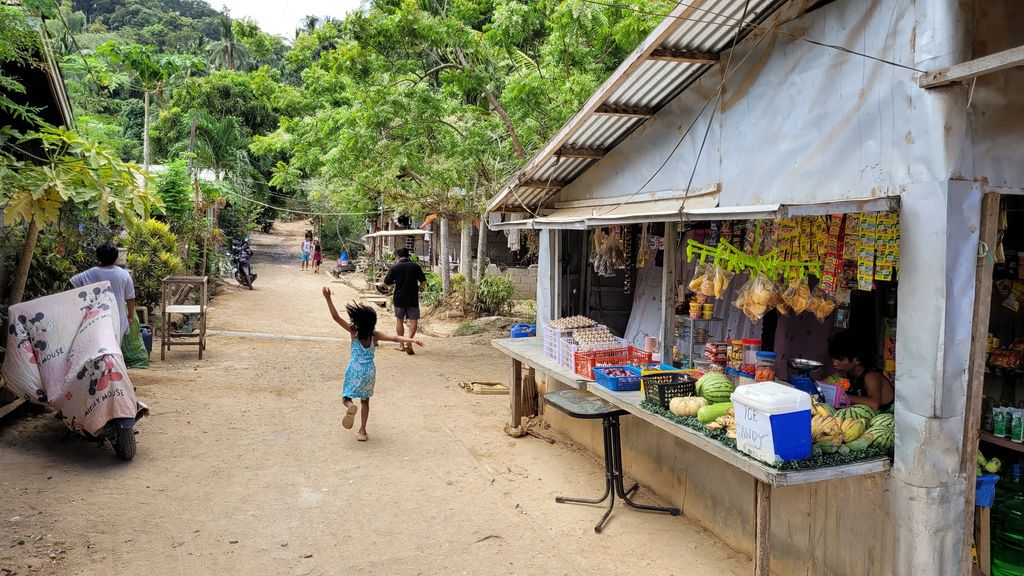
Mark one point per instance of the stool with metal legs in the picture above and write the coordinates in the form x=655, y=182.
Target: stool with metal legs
x=580, y=404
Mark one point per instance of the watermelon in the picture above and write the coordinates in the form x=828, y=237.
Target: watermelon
x=711, y=378
x=717, y=391
x=856, y=411
x=887, y=421
x=884, y=440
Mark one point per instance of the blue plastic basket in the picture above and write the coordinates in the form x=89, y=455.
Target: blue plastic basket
x=985, y=490
x=618, y=383
x=523, y=330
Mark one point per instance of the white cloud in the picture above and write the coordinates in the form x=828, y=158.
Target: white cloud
x=282, y=17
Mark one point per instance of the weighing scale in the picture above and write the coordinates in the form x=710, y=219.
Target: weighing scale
x=800, y=378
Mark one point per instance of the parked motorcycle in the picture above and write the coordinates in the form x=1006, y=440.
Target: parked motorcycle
x=63, y=351
x=240, y=256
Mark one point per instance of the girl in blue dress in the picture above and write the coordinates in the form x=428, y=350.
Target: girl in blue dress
x=361, y=373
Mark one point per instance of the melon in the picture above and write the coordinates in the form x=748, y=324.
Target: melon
x=856, y=411
x=710, y=378
x=717, y=391
x=883, y=420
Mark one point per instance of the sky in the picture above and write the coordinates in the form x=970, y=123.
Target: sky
x=281, y=17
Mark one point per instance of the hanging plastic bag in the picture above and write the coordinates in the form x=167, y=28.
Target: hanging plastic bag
x=778, y=302
x=721, y=280
x=756, y=297
x=797, y=295
x=699, y=272
x=133, y=348
x=821, y=304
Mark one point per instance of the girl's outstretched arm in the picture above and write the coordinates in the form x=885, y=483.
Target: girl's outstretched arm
x=334, y=311
x=393, y=338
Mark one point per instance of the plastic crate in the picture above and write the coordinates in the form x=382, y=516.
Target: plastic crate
x=618, y=383
x=985, y=489
x=569, y=348
x=586, y=361
x=660, y=387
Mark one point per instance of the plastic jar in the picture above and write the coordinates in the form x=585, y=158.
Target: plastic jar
x=764, y=370
x=735, y=361
x=750, y=349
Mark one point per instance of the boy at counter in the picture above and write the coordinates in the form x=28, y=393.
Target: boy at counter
x=868, y=386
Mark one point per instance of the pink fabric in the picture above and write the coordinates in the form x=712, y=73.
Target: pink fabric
x=63, y=350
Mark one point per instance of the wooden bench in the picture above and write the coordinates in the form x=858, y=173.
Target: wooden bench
x=176, y=289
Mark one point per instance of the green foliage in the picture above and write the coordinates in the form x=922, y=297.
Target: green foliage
x=152, y=256
x=175, y=190
x=341, y=233
x=494, y=295
x=467, y=328
x=431, y=294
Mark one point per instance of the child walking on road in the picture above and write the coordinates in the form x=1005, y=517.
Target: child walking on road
x=361, y=373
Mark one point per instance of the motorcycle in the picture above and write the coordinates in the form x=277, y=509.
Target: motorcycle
x=64, y=352
x=240, y=257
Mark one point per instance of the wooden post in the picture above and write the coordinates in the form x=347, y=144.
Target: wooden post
x=762, y=529
x=983, y=530
x=976, y=368
x=668, y=292
x=515, y=388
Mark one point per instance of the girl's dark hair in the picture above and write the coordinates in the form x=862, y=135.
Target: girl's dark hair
x=848, y=346
x=363, y=319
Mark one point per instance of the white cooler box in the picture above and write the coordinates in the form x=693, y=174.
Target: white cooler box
x=773, y=422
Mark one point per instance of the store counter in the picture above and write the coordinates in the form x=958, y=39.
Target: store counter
x=529, y=352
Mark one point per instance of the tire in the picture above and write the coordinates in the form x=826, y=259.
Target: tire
x=124, y=443
x=246, y=279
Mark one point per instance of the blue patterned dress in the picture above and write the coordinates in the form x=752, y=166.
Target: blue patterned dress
x=361, y=373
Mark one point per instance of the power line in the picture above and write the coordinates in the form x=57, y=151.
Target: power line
x=303, y=212
x=751, y=26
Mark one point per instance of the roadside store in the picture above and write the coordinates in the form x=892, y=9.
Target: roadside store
x=647, y=172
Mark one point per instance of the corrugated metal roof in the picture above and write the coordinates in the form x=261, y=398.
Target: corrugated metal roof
x=641, y=84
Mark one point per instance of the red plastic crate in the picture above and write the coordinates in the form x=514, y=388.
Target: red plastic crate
x=586, y=361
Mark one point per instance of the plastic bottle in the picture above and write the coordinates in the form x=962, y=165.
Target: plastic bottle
x=1008, y=527
x=999, y=422
x=1017, y=430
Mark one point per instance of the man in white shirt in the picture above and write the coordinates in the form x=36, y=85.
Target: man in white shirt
x=119, y=278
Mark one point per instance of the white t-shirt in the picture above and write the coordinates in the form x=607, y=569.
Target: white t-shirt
x=120, y=282
x=306, y=246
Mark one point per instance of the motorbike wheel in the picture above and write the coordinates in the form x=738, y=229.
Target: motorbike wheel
x=247, y=280
x=124, y=443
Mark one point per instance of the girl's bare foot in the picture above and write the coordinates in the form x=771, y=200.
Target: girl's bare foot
x=361, y=437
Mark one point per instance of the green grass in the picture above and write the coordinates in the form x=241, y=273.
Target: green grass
x=467, y=328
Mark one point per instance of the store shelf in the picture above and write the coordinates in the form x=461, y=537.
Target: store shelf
x=989, y=438
x=630, y=401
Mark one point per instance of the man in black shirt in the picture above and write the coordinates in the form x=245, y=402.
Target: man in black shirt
x=407, y=278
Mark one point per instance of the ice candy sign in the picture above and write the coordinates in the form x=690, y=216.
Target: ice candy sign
x=754, y=433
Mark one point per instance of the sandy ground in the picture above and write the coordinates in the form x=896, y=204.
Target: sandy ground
x=243, y=467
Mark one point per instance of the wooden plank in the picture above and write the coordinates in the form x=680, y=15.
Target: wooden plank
x=625, y=111
x=641, y=197
x=670, y=266
x=591, y=153
x=762, y=529
x=11, y=406
x=543, y=185
x=683, y=56
x=976, y=366
x=985, y=540
x=990, y=438
x=515, y=387
x=973, y=68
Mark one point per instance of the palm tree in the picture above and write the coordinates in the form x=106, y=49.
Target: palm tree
x=227, y=52
x=310, y=23
x=222, y=146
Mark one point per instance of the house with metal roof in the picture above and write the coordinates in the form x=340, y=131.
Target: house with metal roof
x=751, y=109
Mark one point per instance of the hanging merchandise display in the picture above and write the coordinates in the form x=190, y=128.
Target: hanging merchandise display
x=608, y=253
x=866, y=251
x=887, y=245
x=627, y=242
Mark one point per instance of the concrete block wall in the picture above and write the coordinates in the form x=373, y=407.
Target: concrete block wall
x=524, y=279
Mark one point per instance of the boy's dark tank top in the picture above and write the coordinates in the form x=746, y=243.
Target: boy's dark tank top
x=859, y=388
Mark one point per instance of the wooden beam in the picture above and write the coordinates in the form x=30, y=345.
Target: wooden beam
x=976, y=368
x=543, y=185
x=670, y=271
x=973, y=68
x=686, y=56
x=626, y=111
x=762, y=529
x=567, y=152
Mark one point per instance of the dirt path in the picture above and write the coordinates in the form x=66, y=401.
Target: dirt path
x=243, y=467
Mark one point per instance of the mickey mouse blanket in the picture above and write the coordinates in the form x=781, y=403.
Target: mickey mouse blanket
x=63, y=350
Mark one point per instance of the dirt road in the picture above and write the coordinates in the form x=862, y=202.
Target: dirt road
x=243, y=467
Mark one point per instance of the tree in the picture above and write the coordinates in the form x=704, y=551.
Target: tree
x=152, y=70
x=228, y=52
x=222, y=146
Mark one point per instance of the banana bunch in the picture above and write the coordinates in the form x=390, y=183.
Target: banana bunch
x=822, y=409
x=727, y=422
x=852, y=429
x=826, y=427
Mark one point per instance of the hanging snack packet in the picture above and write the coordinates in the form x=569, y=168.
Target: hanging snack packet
x=699, y=272
x=721, y=282
x=779, y=302
x=707, y=285
x=821, y=304
x=797, y=295
x=758, y=297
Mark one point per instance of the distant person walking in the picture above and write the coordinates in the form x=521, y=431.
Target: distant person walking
x=119, y=278
x=307, y=249
x=407, y=277
x=318, y=255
